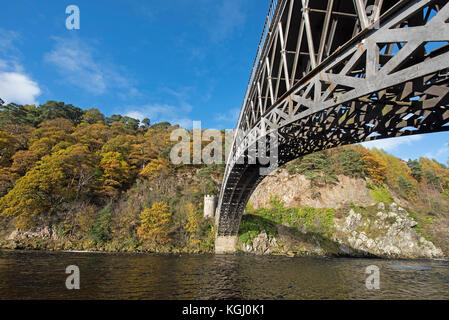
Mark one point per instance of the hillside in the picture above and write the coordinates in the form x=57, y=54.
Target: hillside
x=75, y=179
x=355, y=201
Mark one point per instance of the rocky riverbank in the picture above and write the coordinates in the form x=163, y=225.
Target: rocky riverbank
x=386, y=231
x=383, y=231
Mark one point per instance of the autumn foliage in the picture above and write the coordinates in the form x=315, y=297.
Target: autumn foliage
x=155, y=222
x=375, y=168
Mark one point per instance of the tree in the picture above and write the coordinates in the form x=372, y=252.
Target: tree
x=406, y=187
x=351, y=162
x=374, y=167
x=38, y=193
x=93, y=135
x=100, y=229
x=193, y=223
x=123, y=144
x=116, y=173
x=154, y=224
x=15, y=113
x=416, y=169
x=23, y=161
x=146, y=122
x=317, y=168
x=114, y=118
x=131, y=123
x=56, y=179
x=52, y=110
x=433, y=180
x=8, y=147
x=21, y=132
x=7, y=179
x=157, y=170
x=49, y=134
x=93, y=115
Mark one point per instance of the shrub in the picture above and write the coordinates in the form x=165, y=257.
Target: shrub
x=317, y=167
x=351, y=163
x=416, y=169
x=433, y=180
x=406, y=188
x=100, y=229
x=380, y=193
x=252, y=225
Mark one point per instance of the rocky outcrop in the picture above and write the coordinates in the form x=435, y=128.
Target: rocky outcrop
x=261, y=244
x=389, y=233
x=41, y=233
x=385, y=232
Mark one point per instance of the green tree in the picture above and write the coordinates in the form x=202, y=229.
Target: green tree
x=317, y=167
x=416, y=169
x=351, y=162
x=100, y=229
x=433, y=180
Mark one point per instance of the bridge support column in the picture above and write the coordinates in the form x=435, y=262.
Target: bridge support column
x=225, y=244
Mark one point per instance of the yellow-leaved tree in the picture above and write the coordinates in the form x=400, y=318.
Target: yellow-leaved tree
x=193, y=222
x=155, y=222
x=157, y=170
x=116, y=173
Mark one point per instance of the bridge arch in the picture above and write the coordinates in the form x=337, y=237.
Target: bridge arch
x=329, y=73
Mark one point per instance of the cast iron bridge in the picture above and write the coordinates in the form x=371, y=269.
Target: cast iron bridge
x=335, y=72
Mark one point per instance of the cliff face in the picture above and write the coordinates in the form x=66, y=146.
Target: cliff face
x=361, y=226
x=295, y=190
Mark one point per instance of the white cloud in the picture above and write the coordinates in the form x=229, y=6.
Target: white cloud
x=136, y=115
x=18, y=88
x=15, y=85
x=391, y=144
x=76, y=62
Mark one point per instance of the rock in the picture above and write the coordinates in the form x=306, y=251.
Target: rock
x=381, y=206
x=394, y=207
x=391, y=235
x=40, y=233
x=261, y=244
x=13, y=235
x=345, y=249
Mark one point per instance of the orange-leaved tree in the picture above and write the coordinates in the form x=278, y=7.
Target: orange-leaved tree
x=155, y=222
x=374, y=167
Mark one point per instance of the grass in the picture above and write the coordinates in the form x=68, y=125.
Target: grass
x=380, y=193
x=252, y=225
x=304, y=219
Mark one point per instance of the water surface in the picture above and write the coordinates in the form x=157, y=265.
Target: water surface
x=41, y=275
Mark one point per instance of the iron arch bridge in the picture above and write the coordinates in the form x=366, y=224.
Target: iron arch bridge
x=335, y=72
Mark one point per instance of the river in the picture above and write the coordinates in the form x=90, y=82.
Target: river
x=41, y=275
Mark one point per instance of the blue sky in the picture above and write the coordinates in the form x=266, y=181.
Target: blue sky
x=172, y=60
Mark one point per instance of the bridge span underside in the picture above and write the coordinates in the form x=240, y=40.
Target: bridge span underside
x=337, y=72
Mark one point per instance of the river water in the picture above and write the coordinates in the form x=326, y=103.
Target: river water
x=41, y=275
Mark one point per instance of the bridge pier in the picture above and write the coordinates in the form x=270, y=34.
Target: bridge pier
x=225, y=244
